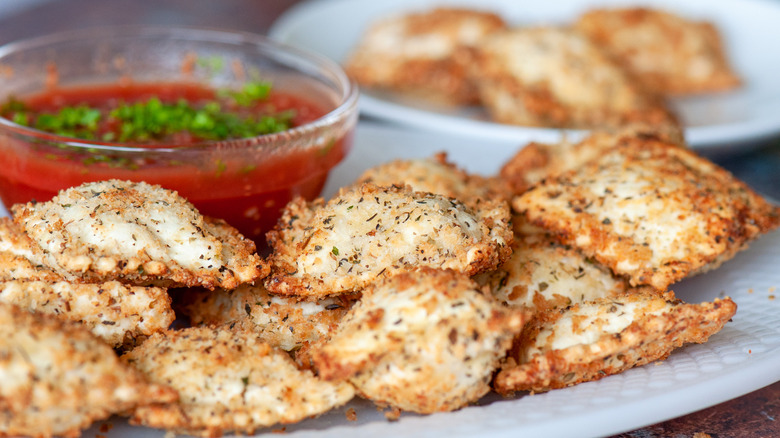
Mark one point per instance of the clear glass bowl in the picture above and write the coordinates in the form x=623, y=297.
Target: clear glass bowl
x=246, y=181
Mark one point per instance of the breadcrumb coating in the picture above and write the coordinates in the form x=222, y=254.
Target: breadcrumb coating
x=228, y=381
x=56, y=378
x=607, y=336
x=117, y=314
x=362, y=235
x=17, y=260
x=435, y=175
x=542, y=274
x=281, y=321
x=423, y=341
x=424, y=54
x=666, y=52
x=652, y=211
x=138, y=233
x=537, y=161
x=555, y=77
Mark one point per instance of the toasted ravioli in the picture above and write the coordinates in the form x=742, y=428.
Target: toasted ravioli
x=654, y=213
x=281, y=321
x=555, y=77
x=592, y=340
x=424, y=341
x=139, y=233
x=56, y=378
x=537, y=161
x=542, y=274
x=17, y=259
x=13, y=267
x=424, y=54
x=116, y=313
x=435, y=175
x=668, y=53
x=361, y=235
x=228, y=380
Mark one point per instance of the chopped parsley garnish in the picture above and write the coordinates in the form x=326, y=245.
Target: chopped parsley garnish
x=155, y=121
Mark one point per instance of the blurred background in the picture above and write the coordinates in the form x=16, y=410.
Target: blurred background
x=27, y=18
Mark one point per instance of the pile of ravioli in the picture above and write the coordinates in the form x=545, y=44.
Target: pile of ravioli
x=419, y=287
x=609, y=67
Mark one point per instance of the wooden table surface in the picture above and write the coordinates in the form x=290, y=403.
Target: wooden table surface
x=754, y=415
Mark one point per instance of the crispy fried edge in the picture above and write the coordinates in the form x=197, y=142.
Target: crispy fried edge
x=647, y=339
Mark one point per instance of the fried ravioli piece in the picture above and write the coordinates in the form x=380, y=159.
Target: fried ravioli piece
x=555, y=77
x=361, y=235
x=592, y=340
x=434, y=175
x=424, y=54
x=423, y=341
x=139, y=233
x=281, y=321
x=116, y=313
x=228, y=379
x=537, y=161
x=57, y=378
x=542, y=274
x=17, y=260
x=654, y=213
x=666, y=52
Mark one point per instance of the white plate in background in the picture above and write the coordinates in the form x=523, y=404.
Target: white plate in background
x=741, y=358
x=724, y=122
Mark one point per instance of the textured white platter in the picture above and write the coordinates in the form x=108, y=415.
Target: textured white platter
x=743, y=357
x=718, y=123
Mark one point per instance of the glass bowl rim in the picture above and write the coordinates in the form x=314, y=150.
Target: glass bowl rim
x=347, y=105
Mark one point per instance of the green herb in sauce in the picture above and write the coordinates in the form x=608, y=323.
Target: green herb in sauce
x=152, y=120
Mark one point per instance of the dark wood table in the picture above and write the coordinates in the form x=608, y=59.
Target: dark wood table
x=754, y=415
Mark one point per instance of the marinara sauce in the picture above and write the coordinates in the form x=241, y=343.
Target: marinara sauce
x=236, y=180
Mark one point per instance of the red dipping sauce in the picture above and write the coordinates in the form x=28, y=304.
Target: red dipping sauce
x=244, y=181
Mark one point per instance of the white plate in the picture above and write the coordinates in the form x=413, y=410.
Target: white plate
x=741, y=358
x=727, y=122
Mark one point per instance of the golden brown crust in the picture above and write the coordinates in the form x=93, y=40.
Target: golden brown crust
x=58, y=378
x=654, y=325
x=666, y=52
x=281, y=321
x=362, y=235
x=117, y=314
x=650, y=210
x=138, y=233
x=424, y=341
x=542, y=274
x=17, y=259
x=555, y=77
x=228, y=380
x=422, y=54
x=435, y=175
x=537, y=161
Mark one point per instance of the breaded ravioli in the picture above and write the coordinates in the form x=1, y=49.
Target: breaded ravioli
x=17, y=260
x=228, y=381
x=435, y=175
x=654, y=213
x=56, y=378
x=281, y=321
x=423, y=54
x=361, y=235
x=555, y=77
x=423, y=341
x=139, y=233
x=542, y=274
x=537, y=161
x=666, y=52
x=592, y=340
x=116, y=313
